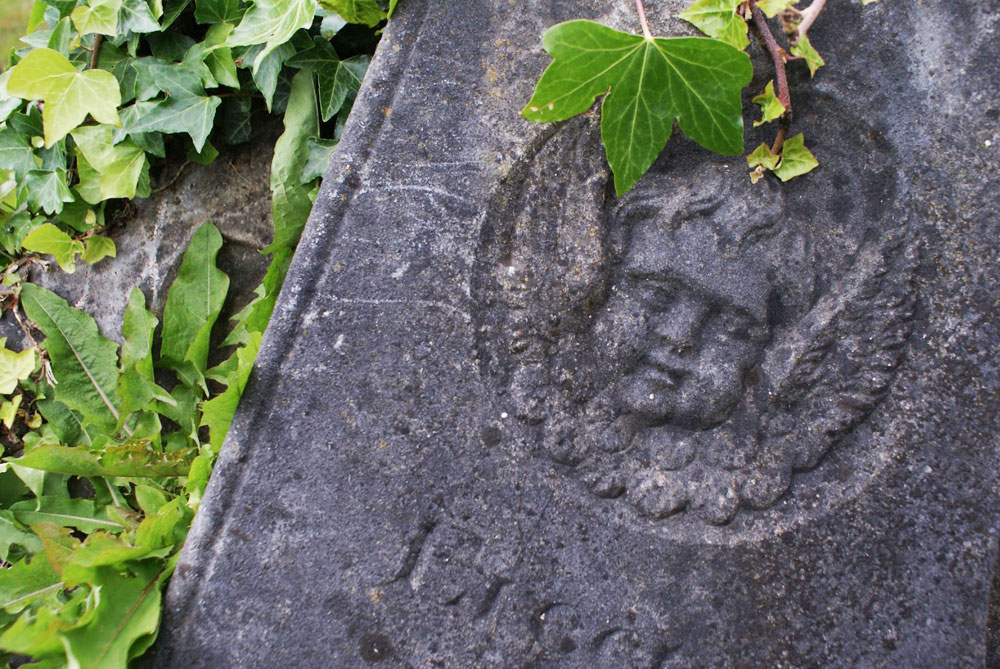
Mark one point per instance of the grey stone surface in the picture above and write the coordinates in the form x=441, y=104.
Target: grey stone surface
x=151, y=235
x=504, y=419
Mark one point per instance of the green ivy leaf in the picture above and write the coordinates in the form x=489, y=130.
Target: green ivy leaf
x=770, y=105
x=217, y=11
x=84, y=362
x=68, y=95
x=14, y=368
x=357, y=11
x=320, y=153
x=16, y=154
x=272, y=23
x=47, y=191
x=804, y=49
x=339, y=80
x=136, y=17
x=796, y=159
x=266, y=71
x=50, y=240
x=100, y=16
x=177, y=80
x=772, y=8
x=652, y=83
x=97, y=248
x=719, y=19
x=763, y=157
x=108, y=170
x=192, y=115
x=194, y=301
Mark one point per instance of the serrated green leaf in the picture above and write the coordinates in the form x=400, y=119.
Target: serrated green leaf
x=719, y=19
x=217, y=11
x=272, y=23
x=84, y=362
x=27, y=581
x=763, y=157
x=357, y=11
x=697, y=81
x=796, y=159
x=137, y=17
x=804, y=49
x=192, y=115
x=772, y=8
x=136, y=459
x=14, y=533
x=47, y=191
x=320, y=153
x=194, y=301
x=98, y=16
x=109, y=170
x=218, y=412
x=127, y=612
x=68, y=95
x=14, y=368
x=78, y=513
x=770, y=106
x=16, y=154
x=97, y=248
x=50, y=240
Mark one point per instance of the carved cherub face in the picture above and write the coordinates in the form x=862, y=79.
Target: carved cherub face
x=686, y=313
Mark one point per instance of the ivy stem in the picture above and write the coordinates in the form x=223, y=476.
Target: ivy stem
x=95, y=51
x=778, y=56
x=808, y=15
x=642, y=19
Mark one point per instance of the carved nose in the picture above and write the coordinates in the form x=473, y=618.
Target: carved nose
x=679, y=327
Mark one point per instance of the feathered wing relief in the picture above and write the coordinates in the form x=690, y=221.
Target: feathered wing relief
x=688, y=347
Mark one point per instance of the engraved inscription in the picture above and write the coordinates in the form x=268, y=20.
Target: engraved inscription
x=691, y=346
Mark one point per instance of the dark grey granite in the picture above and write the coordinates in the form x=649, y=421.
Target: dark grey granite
x=502, y=418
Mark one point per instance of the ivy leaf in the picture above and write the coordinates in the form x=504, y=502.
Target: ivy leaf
x=763, y=157
x=772, y=8
x=16, y=153
x=339, y=80
x=136, y=17
x=101, y=17
x=69, y=95
x=97, y=248
x=652, y=83
x=194, y=301
x=177, y=80
x=796, y=159
x=193, y=115
x=47, y=191
x=84, y=362
x=235, y=120
x=108, y=170
x=320, y=154
x=357, y=11
x=266, y=71
x=14, y=368
x=770, y=105
x=217, y=11
x=803, y=49
x=50, y=240
x=272, y=23
x=718, y=19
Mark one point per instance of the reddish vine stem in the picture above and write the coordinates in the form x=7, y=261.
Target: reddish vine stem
x=642, y=19
x=95, y=51
x=778, y=56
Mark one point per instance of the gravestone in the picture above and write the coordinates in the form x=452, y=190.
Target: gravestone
x=503, y=418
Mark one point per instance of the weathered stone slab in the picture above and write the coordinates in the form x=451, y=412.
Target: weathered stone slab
x=504, y=419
